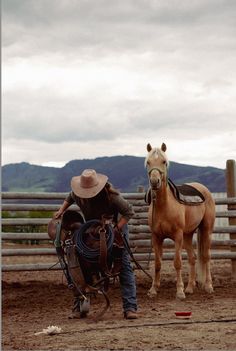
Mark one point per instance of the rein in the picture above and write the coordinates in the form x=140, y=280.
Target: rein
x=153, y=196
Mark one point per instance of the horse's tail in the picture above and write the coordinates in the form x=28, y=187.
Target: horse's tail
x=201, y=266
x=203, y=253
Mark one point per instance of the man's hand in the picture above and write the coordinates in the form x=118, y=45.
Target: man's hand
x=61, y=210
x=58, y=214
x=118, y=240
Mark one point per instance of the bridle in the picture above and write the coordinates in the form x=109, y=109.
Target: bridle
x=162, y=173
x=155, y=169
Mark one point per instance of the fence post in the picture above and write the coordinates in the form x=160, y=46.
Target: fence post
x=231, y=192
x=140, y=189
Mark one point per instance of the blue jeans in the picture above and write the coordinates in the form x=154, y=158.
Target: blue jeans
x=127, y=278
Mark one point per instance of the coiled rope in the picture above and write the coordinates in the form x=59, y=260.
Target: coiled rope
x=89, y=253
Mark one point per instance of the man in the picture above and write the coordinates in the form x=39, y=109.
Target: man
x=95, y=196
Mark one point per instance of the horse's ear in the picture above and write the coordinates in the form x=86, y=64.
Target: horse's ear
x=149, y=148
x=163, y=147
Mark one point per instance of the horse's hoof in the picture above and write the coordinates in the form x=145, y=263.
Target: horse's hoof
x=209, y=289
x=180, y=295
x=152, y=293
x=189, y=290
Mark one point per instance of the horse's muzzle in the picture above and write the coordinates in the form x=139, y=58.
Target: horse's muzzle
x=155, y=178
x=155, y=183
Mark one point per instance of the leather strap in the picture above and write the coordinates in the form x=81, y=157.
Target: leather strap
x=103, y=250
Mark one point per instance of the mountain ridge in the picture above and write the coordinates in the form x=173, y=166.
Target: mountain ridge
x=125, y=172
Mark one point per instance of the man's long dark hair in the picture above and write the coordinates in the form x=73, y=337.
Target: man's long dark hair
x=104, y=194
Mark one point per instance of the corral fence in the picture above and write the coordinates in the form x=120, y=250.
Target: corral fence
x=25, y=229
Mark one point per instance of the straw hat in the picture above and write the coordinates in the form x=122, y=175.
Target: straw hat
x=88, y=184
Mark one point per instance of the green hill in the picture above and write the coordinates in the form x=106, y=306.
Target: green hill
x=125, y=173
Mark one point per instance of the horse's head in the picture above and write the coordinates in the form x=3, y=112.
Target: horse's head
x=157, y=163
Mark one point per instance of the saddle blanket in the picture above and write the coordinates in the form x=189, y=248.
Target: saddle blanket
x=185, y=194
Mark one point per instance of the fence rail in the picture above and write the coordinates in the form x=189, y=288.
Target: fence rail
x=34, y=229
x=140, y=236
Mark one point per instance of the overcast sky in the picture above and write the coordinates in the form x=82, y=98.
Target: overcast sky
x=89, y=78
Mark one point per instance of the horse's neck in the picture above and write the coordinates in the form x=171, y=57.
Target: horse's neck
x=162, y=196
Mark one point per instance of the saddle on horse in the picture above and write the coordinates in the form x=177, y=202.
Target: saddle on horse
x=185, y=194
x=89, y=253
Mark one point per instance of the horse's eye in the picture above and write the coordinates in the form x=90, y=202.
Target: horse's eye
x=164, y=162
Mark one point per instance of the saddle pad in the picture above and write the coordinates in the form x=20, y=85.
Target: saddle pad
x=185, y=194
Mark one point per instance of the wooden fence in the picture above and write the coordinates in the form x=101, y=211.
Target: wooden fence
x=16, y=257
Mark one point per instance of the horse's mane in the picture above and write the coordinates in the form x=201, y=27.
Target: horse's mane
x=156, y=152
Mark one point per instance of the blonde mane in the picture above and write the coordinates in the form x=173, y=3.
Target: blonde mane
x=155, y=153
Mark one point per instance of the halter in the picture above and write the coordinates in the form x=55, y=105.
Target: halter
x=155, y=169
x=160, y=171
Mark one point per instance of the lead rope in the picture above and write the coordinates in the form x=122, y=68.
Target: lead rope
x=126, y=244
x=153, y=196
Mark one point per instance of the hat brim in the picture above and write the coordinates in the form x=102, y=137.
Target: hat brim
x=87, y=193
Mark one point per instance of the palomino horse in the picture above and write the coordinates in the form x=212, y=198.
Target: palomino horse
x=168, y=218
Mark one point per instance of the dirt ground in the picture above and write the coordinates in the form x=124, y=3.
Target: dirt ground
x=31, y=301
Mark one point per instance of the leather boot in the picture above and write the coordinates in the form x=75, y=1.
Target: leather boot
x=130, y=314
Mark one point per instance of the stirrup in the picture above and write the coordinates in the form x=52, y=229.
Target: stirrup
x=81, y=307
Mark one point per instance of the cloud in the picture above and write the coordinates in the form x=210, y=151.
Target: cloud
x=106, y=76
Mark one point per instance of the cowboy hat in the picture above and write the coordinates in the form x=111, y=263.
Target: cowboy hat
x=88, y=184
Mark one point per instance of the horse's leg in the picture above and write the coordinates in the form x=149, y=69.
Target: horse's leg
x=208, y=284
x=157, y=245
x=204, y=258
x=178, y=266
x=191, y=260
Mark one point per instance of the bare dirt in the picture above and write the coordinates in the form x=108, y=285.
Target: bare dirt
x=31, y=301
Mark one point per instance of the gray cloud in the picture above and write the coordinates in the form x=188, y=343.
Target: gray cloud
x=99, y=71
x=123, y=25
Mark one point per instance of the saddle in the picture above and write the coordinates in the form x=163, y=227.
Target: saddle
x=185, y=194
x=86, y=255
